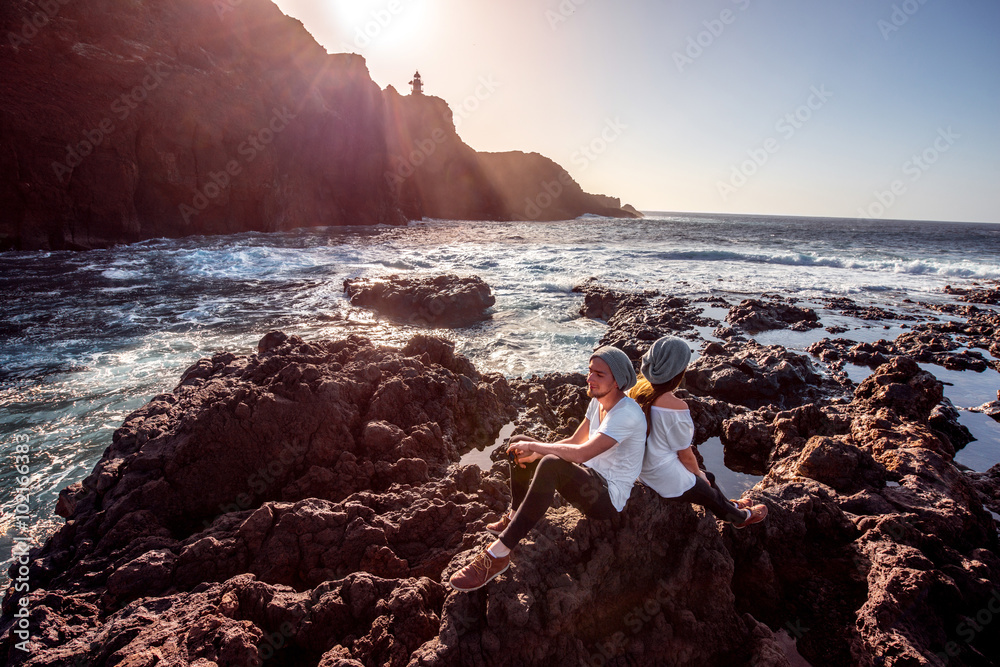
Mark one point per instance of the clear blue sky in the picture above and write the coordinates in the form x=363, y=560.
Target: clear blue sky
x=707, y=127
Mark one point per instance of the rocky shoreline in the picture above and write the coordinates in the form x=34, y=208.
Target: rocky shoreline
x=303, y=505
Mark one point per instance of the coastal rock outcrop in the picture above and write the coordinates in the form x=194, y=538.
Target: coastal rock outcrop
x=992, y=408
x=753, y=375
x=438, y=301
x=436, y=175
x=988, y=485
x=637, y=319
x=629, y=591
x=755, y=315
x=877, y=550
x=979, y=294
x=931, y=343
x=129, y=121
x=870, y=312
x=123, y=122
x=601, y=302
x=305, y=505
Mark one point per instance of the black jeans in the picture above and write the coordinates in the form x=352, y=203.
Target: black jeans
x=713, y=499
x=533, y=487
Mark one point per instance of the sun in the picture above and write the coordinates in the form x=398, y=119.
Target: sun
x=369, y=26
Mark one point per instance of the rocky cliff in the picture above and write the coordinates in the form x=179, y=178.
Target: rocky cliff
x=122, y=121
x=437, y=175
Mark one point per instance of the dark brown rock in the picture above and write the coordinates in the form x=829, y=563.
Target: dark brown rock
x=207, y=119
x=602, y=592
x=753, y=375
x=848, y=306
x=754, y=316
x=837, y=351
x=551, y=406
x=902, y=387
x=944, y=419
x=991, y=409
x=840, y=464
x=990, y=295
x=601, y=302
x=988, y=485
x=129, y=122
x=748, y=442
x=876, y=551
x=439, y=301
x=637, y=319
x=708, y=415
x=933, y=343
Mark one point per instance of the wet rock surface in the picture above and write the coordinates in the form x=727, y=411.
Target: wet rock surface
x=877, y=550
x=849, y=307
x=989, y=294
x=991, y=409
x=947, y=344
x=302, y=465
x=304, y=506
x=755, y=315
x=753, y=375
x=439, y=301
x=637, y=319
x=988, y=485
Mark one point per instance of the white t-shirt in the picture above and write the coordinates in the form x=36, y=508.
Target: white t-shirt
x=619, y=465
x=672, y=430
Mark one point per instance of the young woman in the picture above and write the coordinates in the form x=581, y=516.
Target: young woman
x=669, y=465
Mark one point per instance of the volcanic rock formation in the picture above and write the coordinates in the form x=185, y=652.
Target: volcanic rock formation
x=122, y=121
x=448, y=300
x=305, y=504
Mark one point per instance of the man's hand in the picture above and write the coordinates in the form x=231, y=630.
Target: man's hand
x=520, y=447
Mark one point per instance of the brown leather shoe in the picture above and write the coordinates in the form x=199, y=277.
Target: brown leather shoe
x=479, y=572
x=498, y=527
x=742, y=503
x=757, y=514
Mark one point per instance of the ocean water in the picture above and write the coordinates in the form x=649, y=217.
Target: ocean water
x=86, y=338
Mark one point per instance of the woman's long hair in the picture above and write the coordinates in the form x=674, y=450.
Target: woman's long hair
x=645, y=394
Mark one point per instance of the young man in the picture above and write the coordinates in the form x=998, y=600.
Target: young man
x=594, y=469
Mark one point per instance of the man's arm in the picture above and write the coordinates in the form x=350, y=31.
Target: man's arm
x=579, y=437
x=574, y=448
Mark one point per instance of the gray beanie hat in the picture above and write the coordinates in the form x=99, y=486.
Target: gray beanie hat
x=666, y=359
x=620, y=365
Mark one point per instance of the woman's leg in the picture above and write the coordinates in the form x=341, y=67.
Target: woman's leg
x=714, y=500
x=577, y=484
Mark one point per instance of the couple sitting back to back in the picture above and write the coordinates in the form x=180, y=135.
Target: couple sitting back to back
x=646, y=436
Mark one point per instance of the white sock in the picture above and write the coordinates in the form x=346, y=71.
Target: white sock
x=498, y=550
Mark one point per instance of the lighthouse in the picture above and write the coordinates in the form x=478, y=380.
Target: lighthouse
x=418, y=84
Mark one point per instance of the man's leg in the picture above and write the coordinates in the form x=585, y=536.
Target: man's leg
x=578, y=484
x=520, y=482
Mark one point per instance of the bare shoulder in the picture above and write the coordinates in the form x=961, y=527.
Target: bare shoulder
x=670, y=402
